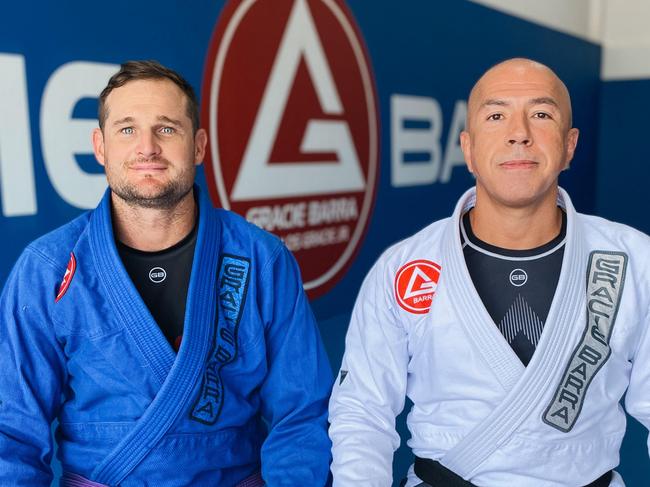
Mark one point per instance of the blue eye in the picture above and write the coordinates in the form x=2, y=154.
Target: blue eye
x=127, y=130
x=167, y=130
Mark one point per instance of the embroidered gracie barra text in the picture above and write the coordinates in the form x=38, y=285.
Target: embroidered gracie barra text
x=605, y=280
x=233, y=284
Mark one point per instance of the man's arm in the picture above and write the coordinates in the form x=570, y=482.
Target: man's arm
x=295, y=392
x=637, y=399
x=369, y=391
x=31, y=373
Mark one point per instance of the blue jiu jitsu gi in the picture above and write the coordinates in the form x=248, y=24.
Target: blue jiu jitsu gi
x=246, y=392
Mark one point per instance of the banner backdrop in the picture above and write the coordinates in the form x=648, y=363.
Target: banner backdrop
x=333, y=124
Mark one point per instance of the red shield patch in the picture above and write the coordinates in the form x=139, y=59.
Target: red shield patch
x=67, y=277
x=415, y=285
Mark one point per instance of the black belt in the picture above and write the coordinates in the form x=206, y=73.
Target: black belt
x=437, y=475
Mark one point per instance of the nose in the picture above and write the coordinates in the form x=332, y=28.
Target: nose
x=519, y=131
x=148, y=145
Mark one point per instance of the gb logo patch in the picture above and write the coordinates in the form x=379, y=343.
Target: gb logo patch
x=415, y=285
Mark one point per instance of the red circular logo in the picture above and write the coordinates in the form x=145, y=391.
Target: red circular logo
x=415, y=285
x=290, y=107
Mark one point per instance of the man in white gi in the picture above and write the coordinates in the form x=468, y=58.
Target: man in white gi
x=515, y=326
x=172, y=341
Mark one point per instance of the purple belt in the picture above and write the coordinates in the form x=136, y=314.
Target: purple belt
x=74, y=480
x=254, y=480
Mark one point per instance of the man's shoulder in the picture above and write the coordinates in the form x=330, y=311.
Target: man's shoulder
x=236, y=229
x=56, y=245
x=424, y=245
x=614, y=232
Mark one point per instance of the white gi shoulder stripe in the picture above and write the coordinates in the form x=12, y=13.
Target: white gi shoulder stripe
x=605, y=280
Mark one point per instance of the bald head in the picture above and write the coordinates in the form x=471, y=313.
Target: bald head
x=514, y=74
x=518, y=137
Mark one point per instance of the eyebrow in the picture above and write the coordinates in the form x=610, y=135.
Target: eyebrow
x=172, y=121
x=122, y=121
x=542, y=100
x=160, y=118
x=494, y=102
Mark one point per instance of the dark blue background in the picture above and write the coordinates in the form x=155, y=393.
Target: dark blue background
x=435, y=49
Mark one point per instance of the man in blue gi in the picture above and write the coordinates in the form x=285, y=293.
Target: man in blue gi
x=172, y=341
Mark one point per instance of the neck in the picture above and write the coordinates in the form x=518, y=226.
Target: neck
x=153, y=229
x=516, y=228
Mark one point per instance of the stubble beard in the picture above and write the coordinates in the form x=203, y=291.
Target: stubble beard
x=166, y=197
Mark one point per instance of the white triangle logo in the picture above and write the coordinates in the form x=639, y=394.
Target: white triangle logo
x=425, y=288
x=257, y=178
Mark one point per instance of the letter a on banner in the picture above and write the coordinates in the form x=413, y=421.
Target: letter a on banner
x=257, y=177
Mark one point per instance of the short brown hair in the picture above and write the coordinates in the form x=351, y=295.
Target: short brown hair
x=142, y=70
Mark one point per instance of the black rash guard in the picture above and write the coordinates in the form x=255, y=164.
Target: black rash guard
x=516, y=286
x=162, y=279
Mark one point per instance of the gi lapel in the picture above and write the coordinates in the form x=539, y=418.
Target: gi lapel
x=487, y=338
x=124, y=298
x=233, y=276
x=525, y=388
x=605, y=282
x=179, y=377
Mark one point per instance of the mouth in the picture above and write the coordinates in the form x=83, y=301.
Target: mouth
x=148, y=166
x=519, y=164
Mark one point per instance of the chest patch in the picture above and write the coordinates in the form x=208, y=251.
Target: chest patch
x=67, y=277
x=232, y=284
x=157, y=275
x=415, y=285
x=605, y=280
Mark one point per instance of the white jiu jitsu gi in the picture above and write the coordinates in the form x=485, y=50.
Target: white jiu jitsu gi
x=419, y=329
x=247, y=390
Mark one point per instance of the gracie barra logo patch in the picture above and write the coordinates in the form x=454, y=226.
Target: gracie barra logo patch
x=232, y=285
x=294, y=145
x=605, y=280
x=415, y=285
x=67, y=277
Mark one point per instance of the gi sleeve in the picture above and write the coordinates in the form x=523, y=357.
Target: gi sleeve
x=31, y=372
x=297, y=385
x=370, y=390
x=637, y=399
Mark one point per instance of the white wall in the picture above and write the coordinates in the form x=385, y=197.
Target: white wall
x=575, y=17
x=619, y=26
x=626, y=39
